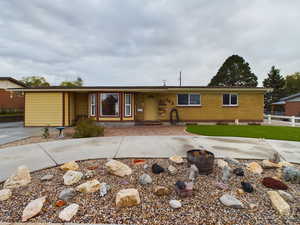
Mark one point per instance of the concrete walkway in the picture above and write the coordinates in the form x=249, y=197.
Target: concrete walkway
x=48, y=154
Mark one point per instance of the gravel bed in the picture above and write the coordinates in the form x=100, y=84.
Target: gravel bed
x=203, y=208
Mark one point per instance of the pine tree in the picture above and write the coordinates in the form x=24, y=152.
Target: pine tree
x=235, y=72
x=277, y=82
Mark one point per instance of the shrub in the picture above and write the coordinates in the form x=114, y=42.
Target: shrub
x=45, y=133
x=87, y=128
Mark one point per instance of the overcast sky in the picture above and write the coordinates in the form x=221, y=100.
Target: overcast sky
x=141, y=42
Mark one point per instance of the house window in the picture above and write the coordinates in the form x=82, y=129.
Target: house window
x=109, y=105
x=188, y=99
x=230, y=99
x=92, y=104
x=128, y=105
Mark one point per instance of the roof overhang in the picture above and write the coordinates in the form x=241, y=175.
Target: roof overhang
x=279, y=103
x=142, y=89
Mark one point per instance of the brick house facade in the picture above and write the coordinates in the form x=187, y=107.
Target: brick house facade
x=290, y=105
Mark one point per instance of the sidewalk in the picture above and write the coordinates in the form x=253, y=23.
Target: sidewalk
x=43, y=155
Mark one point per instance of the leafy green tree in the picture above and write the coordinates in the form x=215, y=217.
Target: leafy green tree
x=277, y=82
x=77, y=83
x=235, y=72
x=292, y=83
x=35, y=81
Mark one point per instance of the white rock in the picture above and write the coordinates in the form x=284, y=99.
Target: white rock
x=221, y=163
x=176, y=159
x=175, y=204
x=267, y=164
x=72, y=177
x=33, y=208
x=20, y=178
x=278, y=203
x=89, y=186
x=128, y=197
x=254, y=167
x=70, y=166
x=286, y=196
x=145, y=179
x=104, y=188
x=67, y=213
x=231, y=201
x=118, y=168
x=5, y=194
x=67, y=194
x=47, y=177
x=172, y=170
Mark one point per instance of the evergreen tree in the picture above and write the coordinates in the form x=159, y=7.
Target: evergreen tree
x=277, y=82
x=235, y=72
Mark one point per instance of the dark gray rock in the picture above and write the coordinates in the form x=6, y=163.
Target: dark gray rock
x=145, y=179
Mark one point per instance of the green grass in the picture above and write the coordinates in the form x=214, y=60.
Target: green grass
x=252, y=131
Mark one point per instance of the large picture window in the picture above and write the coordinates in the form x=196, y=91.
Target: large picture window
x=230, y=99
x=92, y=104
x=127, y=105
x=109, y=105
x=188, y=99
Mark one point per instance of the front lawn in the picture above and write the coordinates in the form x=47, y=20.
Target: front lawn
x=252, y=131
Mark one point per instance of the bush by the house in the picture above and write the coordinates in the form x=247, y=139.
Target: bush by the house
x=87, y=128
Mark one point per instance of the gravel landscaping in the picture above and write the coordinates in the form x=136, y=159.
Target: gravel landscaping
x=202, y=207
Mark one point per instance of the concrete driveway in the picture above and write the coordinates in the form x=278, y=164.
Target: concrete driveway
x=48, y=154
x=14, y=131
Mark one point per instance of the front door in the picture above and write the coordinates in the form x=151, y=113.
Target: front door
x=150, y=108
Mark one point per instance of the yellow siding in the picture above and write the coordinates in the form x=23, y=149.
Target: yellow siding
x=66, y=109
x=250, y=108
x=81, y=104
x=43, y=109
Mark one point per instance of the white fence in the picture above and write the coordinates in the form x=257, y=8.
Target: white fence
x=292, y=120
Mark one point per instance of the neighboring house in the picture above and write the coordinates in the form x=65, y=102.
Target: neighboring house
x=11, y=101
x=61, y=106
x=288, y=106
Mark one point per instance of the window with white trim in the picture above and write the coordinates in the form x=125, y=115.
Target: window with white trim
x=109, y=105
x=188, y=99
x=230, y=99
x=92, y=104
x=127, y=104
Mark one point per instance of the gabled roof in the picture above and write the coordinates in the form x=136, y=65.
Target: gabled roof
x=13, y=81
x=290, y=97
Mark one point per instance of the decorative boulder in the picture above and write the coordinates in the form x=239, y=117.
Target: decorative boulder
x=176, y=159
x=238, y=172
x=184, y=189
x=128, y=197
x=226, y=173
x=47, y=177
x=291, y=174
x=33, y=208
x=278, y=203
x=231, y=201
x=254, y=167
x=20, y=178
x=67, y=194
x=5, y=194
x=172, y=170
x=156, y=169
x=104, y=188
x=247, y=187
x=72, y=177
x=194, y=172
x=70, y=166
x=175, y=204
x=145, y=179
x=67, y=213
x=118, y=168
x=221, y=163
x=274, y=183
x=89, y=186
x=161, y=190
x=267, y=164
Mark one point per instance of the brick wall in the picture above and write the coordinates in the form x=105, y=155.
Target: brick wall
x=292, y=109
x=11, y=100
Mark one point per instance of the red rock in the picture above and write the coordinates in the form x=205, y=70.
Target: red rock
x=274, y=183
x=92, y=168
x=60, y=203
x=139, y=161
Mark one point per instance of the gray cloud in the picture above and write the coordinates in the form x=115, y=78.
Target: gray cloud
x=133, y=42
